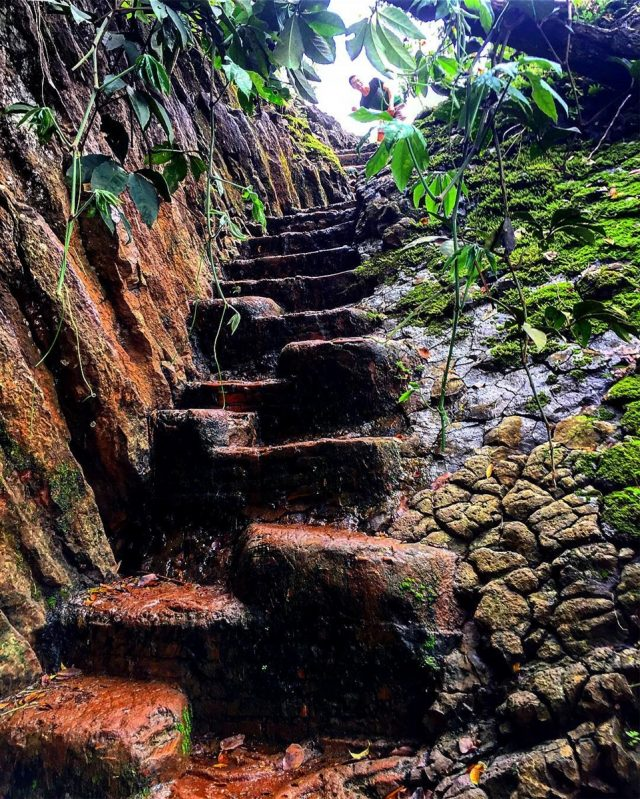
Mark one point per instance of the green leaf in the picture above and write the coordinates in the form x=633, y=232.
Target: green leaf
x=326, y=24
x=112, y=84
x=78, y=15
x=303, y=87
x=198, y=167
x=582, y=330
x=159, y=9
x=319, y=50
x=109, y=176
x=139, y=103
x=158, y=181
x=542, y=96
x=372, y=46
x=555, y=318
x=160, y=113
x=87, y=164
x=543, y=63
x=378, y=160
x=145, y=198
x=234, y=322
x=354, y=46
x=400, y=23
x=290, y=48
x=483, y=10
x=538, y=337
x=367, y=115
x=394, y=50
x=401, y=164
x=176, y=171
x=239, y=76
x=154, y=73
x=180, y=26
x=257, y=206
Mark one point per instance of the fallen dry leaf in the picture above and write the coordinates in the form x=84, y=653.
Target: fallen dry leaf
x=396, y=792
x=233, y=742
x=424, y=353
x=613, y=192
x=515, y=668
x=293, y=757
x=443, y=479
x=476, y=771
x=489, y=471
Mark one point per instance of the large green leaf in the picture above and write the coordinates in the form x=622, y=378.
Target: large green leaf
x=326, y=24
x=400, y=23
x=401, y=164
x=239, y=76
x=373, y=47
x=393, y=49
x=160, y=113
x=154, y=73
x=145, y=198
x=378, y=160
x=542, y=96
x=88, y=163
x=367, y=115
x=139, y=102
x=538, y=337
x=159, y=9
x=109, y=176
x=483, y=10
x=290, y=48
x=157, y=178
x=180, y=25
x=303, y=87
x=354, y=46
x=176, y=171
x=318, y=49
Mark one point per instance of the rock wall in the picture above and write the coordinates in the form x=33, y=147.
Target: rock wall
x=73, y=427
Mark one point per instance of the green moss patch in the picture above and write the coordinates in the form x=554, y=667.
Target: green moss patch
x=625, y=390
x=622, y=511
x=620, y=466
x=631, y=418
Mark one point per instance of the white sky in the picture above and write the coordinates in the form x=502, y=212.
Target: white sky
x=335, y=96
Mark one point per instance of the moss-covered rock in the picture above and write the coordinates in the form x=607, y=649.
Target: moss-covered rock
x=620, y=466
x=622, y=510
x=582, y=432
x=602, y=282
x=631, y=418
x=625, y=390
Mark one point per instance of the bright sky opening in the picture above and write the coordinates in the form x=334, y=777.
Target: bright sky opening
x=335, y=96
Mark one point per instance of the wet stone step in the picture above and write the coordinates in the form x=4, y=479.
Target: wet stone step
x=289, y=243
x=260, y=396
x=333, y=474
x=354, y=158
x=198, y=637
x=220, y=428
x=93, y=736
x=300, y=293
x=313, y=218
x=265, y=328
x=320, y=262
x=365, y=620
x=341, y=381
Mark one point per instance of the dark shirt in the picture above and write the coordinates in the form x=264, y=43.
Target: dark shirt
x=376, y=100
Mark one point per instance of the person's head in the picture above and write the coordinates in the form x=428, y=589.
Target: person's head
x=356, y=83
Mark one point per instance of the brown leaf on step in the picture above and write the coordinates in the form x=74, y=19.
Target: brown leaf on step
x=515, y=668
x=613, y=192
x=396, y=793
x=476, y=771
x=66, y=674
x=424, y=353
x=443, y=479
x=489, y=471
x=293, y=757
x=466, y=745
x=233, y=742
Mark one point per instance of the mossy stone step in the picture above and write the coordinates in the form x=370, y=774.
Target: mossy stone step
x=313, y=218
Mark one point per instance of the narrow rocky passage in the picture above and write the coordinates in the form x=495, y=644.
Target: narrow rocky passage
x=308, y=625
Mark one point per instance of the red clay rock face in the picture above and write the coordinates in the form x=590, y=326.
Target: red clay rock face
x=96, y=736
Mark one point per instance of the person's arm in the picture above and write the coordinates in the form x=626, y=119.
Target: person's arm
x=389, y=93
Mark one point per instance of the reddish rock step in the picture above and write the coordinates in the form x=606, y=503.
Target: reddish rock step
x=265, y=328
x=320, y=262
x=199, y=637
x=337, y=475
x=299, y=293
x=292, y=242
x=94, y=736
x=220, y=428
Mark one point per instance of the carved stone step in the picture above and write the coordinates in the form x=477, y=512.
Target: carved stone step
x=299, y=293
x=353, y=158
x=292, y=242
x=320, y=262
x=313, y=218
x=337, y=474
x=340, y=381
x=92, y=736
x=265, y=328
x=362, y=621
x=197, y=636
x=220, y=428
x=261, y=396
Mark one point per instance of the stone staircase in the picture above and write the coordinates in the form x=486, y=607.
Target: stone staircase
x=308, y=624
